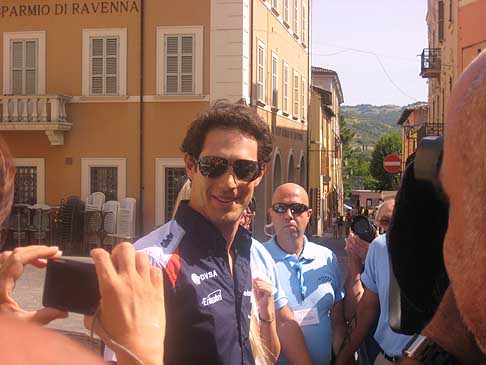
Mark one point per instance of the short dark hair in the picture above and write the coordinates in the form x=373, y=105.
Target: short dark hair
x=226, y=115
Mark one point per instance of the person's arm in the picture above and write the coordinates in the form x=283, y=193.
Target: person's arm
x=367, y=312
x=11, y=268
x=266, y=313
x=131, y=316
x=338, y=326
x=291, y=338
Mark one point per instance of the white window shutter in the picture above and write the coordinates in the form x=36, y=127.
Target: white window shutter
x=17, y=67
x=179, y=64
x=111, y=66
x=97, y=46
x=172, y=64
x=187, y=65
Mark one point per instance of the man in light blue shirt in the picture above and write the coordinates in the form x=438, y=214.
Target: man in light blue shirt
x=374, y=303
x=309, y=275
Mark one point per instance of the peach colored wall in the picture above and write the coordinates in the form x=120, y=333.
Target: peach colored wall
x=109, y=129
x=472, y=31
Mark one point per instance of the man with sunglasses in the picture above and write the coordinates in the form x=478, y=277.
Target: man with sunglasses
x=204, y=252
x=309, y=274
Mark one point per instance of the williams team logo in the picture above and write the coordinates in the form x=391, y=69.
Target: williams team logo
x=212, y=298
x=199, y=278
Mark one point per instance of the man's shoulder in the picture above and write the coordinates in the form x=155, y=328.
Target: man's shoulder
x=321, y=250
x=258, y=248
x=379, y=243
x=162, y=241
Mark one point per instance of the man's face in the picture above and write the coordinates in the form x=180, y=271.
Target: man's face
x=222, y=199
x=288, y=225
x=386, y=214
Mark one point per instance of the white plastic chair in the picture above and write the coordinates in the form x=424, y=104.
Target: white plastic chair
x=125, y=226
x=95, y=201
x=110, y=216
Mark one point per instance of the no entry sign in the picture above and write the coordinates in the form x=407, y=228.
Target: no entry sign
x=392, y=163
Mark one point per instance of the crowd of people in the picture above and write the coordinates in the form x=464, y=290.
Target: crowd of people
x=201, y=290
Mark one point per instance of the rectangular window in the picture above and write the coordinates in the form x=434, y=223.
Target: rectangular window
x=441, y=20
x=285, y=87
x=450, y=10
x=275, y=4
x=296, y=17
x=286, y=11
x=105, y=180
x=302, y=102
x=179, y=64
x=25, y=185
x=104, y=65
x=175, y=177
x=274, y=80
x=304, y=22
x=261, y=72
x=23, y=66
x=296, y=95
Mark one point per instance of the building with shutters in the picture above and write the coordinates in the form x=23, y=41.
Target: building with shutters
x=97, y=95
x=326, y=152
x=456, y=35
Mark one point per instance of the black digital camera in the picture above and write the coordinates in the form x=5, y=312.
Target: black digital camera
x=363, y=228
x=71, y=286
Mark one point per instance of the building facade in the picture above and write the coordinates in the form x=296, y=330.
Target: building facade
x=414, y=123
x=98, y=95
x=325, y=152
x=456, y=34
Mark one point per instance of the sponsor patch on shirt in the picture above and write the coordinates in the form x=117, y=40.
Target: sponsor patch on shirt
x=212, y=298
x=199, y=278
x=247, y=293
x=325, y=278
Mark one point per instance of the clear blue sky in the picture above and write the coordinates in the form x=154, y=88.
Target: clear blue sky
x=395, y=30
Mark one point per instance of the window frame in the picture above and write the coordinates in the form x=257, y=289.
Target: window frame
x=40, y=37
x=198, y=47
x=39, y=163
x=89, y=34
x=295, y=24
x=119, y=163
x=295, y=94
x=286, y=11
x=260, y=82
x=303, y=100
x=285, y=92
x=304, y=22
x=275, y=87
x=160, y=165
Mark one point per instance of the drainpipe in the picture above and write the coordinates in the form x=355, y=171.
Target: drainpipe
x=251, y=52
x=309, y=77
x=141, y=115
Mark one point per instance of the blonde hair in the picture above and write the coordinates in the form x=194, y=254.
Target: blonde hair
x=184, y=194
x=261, y=353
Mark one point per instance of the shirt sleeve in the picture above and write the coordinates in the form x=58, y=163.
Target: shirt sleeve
x=263, y=266
x=338, y=289
x=368, y=277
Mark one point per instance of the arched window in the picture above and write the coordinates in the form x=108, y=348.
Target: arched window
x=277, y=172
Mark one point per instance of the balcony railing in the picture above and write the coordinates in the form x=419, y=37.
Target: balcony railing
x=36, y=113
x=431, y=63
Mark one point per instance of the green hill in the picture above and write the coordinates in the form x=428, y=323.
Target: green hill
x=369, y=122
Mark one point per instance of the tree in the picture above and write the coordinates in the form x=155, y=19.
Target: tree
x=356, y=161
x=386, y=144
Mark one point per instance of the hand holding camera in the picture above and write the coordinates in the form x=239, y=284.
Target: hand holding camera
x=131, y=313
x=11, y=268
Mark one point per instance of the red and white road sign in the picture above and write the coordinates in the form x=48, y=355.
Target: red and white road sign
x=392, y=163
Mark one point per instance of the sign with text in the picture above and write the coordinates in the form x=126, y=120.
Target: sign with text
x=75, y=8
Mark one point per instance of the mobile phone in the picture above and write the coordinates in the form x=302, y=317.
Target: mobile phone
x=71, y=286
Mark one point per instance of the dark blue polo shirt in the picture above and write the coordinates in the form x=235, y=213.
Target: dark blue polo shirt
x=208, y=308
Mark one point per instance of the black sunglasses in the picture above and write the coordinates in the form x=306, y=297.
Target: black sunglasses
x=214, y=166
x=295, y=208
